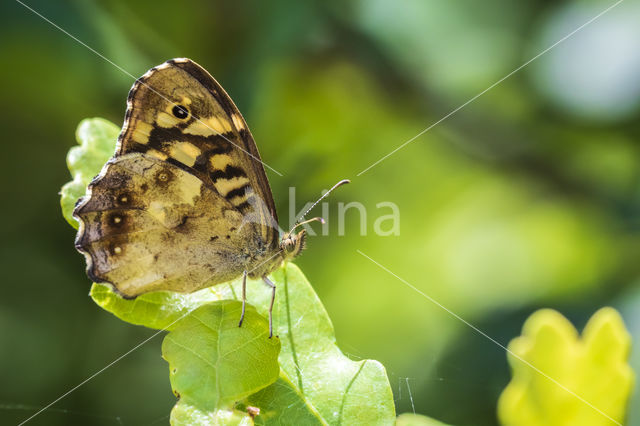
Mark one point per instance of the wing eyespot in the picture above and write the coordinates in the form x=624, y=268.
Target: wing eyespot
x=163, y=177
x=116, y=221
x=180, y=111
x=124, y=199
x=115, y=250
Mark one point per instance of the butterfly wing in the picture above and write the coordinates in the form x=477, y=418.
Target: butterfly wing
x=149, y=225
x=208, y=136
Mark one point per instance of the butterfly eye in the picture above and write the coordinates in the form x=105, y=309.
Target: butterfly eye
x=180, y=112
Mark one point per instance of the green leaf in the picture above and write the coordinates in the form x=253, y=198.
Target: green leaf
x=281, y=403
x=97, y=140
x=159, y=310
x=593, y=367
x=409, y=419
x=213, y=362
x=342, y=390
x=326, y=382
x=184, y=414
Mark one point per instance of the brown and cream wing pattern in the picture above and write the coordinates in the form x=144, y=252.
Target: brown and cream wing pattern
x=185, y=202
x=148, y=225
x=179, y=113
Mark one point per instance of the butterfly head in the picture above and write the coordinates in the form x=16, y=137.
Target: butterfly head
x=292, y=244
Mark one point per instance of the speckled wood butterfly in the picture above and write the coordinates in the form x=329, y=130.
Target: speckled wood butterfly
x=184, y=203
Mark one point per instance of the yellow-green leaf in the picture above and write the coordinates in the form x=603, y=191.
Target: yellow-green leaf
x=409, y=419
x=184, y=414
x=283, y=400
x=97, y=140
x=213, y=363
x=317, y=382
x=594, y=376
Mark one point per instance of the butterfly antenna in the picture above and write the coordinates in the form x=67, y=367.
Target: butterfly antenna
x=325, y=195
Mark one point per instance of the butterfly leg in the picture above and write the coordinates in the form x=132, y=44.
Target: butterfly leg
x=244, y=296
x=268, y=282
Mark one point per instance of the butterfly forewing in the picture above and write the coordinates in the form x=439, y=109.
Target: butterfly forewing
x=180, y=114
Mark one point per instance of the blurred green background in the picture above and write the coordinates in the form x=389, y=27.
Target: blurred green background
x=528, y=197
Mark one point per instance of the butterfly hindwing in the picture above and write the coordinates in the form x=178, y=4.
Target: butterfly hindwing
x=148, y=225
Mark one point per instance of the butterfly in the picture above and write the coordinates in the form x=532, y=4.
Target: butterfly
x=184, y=203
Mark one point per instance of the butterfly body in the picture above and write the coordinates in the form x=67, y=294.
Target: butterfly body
x=184, y=203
